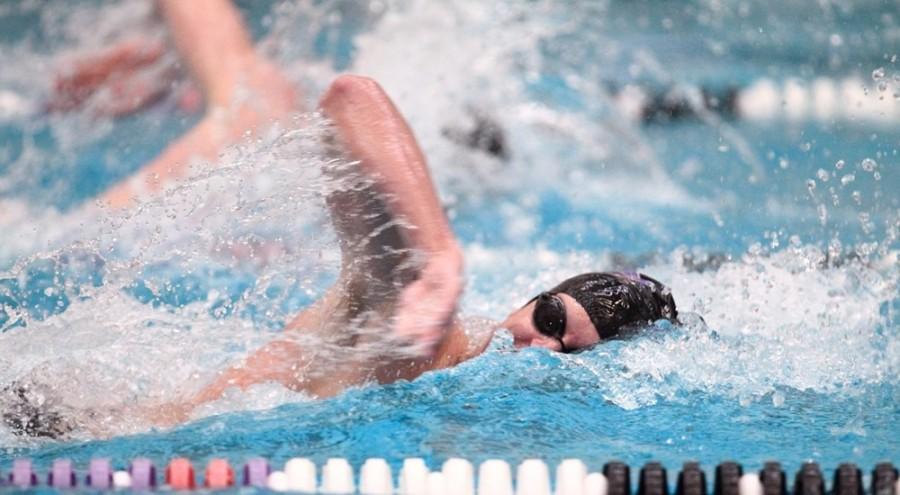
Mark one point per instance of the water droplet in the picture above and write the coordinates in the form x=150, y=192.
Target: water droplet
x=839, y=164
x=876, y=175
x=718, y=219
x=865, y=222
x=811, y=185
x=823, y=175
x=835, y=248
x=778, y=399
x=823, y=214
x=878, y=74
x=847, y=179
x=869, y=165
x=882, y=86
x=857, y=196
x=783, y=163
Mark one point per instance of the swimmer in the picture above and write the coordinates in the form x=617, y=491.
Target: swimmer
x=403, y=278
x=409, y=274
x=401, y=265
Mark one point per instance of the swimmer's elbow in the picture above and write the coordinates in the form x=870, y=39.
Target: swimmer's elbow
x=350, y=89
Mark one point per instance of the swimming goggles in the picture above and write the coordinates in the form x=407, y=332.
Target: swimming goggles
x=549, y=317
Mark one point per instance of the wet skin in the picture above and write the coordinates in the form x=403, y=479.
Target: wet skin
x=579, y=332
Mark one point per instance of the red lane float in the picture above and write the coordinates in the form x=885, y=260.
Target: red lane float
x=219, y=474
x=180, y=474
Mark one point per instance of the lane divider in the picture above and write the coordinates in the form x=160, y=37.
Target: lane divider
x=455, y=477
x=824, y=100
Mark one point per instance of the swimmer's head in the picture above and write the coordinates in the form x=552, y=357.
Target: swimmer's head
x=588, y=308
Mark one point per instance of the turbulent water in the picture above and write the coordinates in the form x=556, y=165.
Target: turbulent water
x=782, y=237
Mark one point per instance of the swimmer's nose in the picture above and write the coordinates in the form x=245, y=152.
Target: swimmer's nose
x=523, y=331
x=525, y=335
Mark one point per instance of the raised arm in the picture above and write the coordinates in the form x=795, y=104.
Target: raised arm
x=371, y=128
x=374, y=133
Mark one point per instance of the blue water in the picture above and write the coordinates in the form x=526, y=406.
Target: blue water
x=800, y=357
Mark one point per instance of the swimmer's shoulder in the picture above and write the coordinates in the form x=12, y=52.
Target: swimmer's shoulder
x=469, y=337
x=478, y=331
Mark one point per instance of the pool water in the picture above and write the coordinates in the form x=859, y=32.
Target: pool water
x=781, y=233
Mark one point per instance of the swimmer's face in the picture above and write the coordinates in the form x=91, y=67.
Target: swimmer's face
x=552, y=320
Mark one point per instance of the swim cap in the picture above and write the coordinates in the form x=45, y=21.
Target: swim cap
x=614, y=300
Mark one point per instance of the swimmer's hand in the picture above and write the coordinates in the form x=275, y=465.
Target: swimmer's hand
x=428, y=305
x=115, y=81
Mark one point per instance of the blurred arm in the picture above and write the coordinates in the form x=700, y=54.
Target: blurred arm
x=282, y=361
x=212, y=39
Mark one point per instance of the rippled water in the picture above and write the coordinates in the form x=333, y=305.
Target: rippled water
x=755, y=226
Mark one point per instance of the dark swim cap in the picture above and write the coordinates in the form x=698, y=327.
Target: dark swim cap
x=615, y=300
